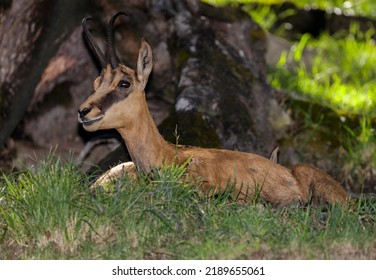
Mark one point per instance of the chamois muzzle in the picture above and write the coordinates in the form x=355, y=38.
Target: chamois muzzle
x=84, y=112
x=87, y=121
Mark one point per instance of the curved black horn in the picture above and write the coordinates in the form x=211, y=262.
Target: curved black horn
x=112, y=58
x=92, y=44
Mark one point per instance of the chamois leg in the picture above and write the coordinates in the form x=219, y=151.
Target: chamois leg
x=115, y=173
x=318, y=184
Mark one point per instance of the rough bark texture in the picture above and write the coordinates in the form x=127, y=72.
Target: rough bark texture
x=30, y=33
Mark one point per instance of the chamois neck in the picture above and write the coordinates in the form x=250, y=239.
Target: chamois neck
x=145, y=144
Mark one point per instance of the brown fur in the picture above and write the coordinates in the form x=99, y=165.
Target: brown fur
x=250, y=175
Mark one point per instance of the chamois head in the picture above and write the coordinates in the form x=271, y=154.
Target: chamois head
x=119, y=90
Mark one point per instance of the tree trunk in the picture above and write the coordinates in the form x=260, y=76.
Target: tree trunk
x=30, y=32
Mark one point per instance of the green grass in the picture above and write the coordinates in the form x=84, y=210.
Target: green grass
x=341, y=75
x=48, y=213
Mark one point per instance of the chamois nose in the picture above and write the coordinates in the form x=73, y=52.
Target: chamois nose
x=84, y=112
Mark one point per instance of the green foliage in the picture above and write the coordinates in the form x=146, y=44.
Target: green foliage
x=262, y=14
x=340, y=76
x=48, y=213
x=364, y=7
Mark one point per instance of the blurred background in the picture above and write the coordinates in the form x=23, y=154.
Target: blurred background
x=242, y=75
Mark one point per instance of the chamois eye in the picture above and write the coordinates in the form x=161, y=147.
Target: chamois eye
x=124, y=84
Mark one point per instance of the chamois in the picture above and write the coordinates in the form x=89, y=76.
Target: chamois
x=119, y=102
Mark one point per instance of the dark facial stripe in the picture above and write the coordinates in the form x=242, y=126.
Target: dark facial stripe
x=109, y=99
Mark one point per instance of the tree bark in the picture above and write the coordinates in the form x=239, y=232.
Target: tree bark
x=30, y=33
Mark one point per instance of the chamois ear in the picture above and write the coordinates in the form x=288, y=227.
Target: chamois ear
x=144, y=62
x=274, y=154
